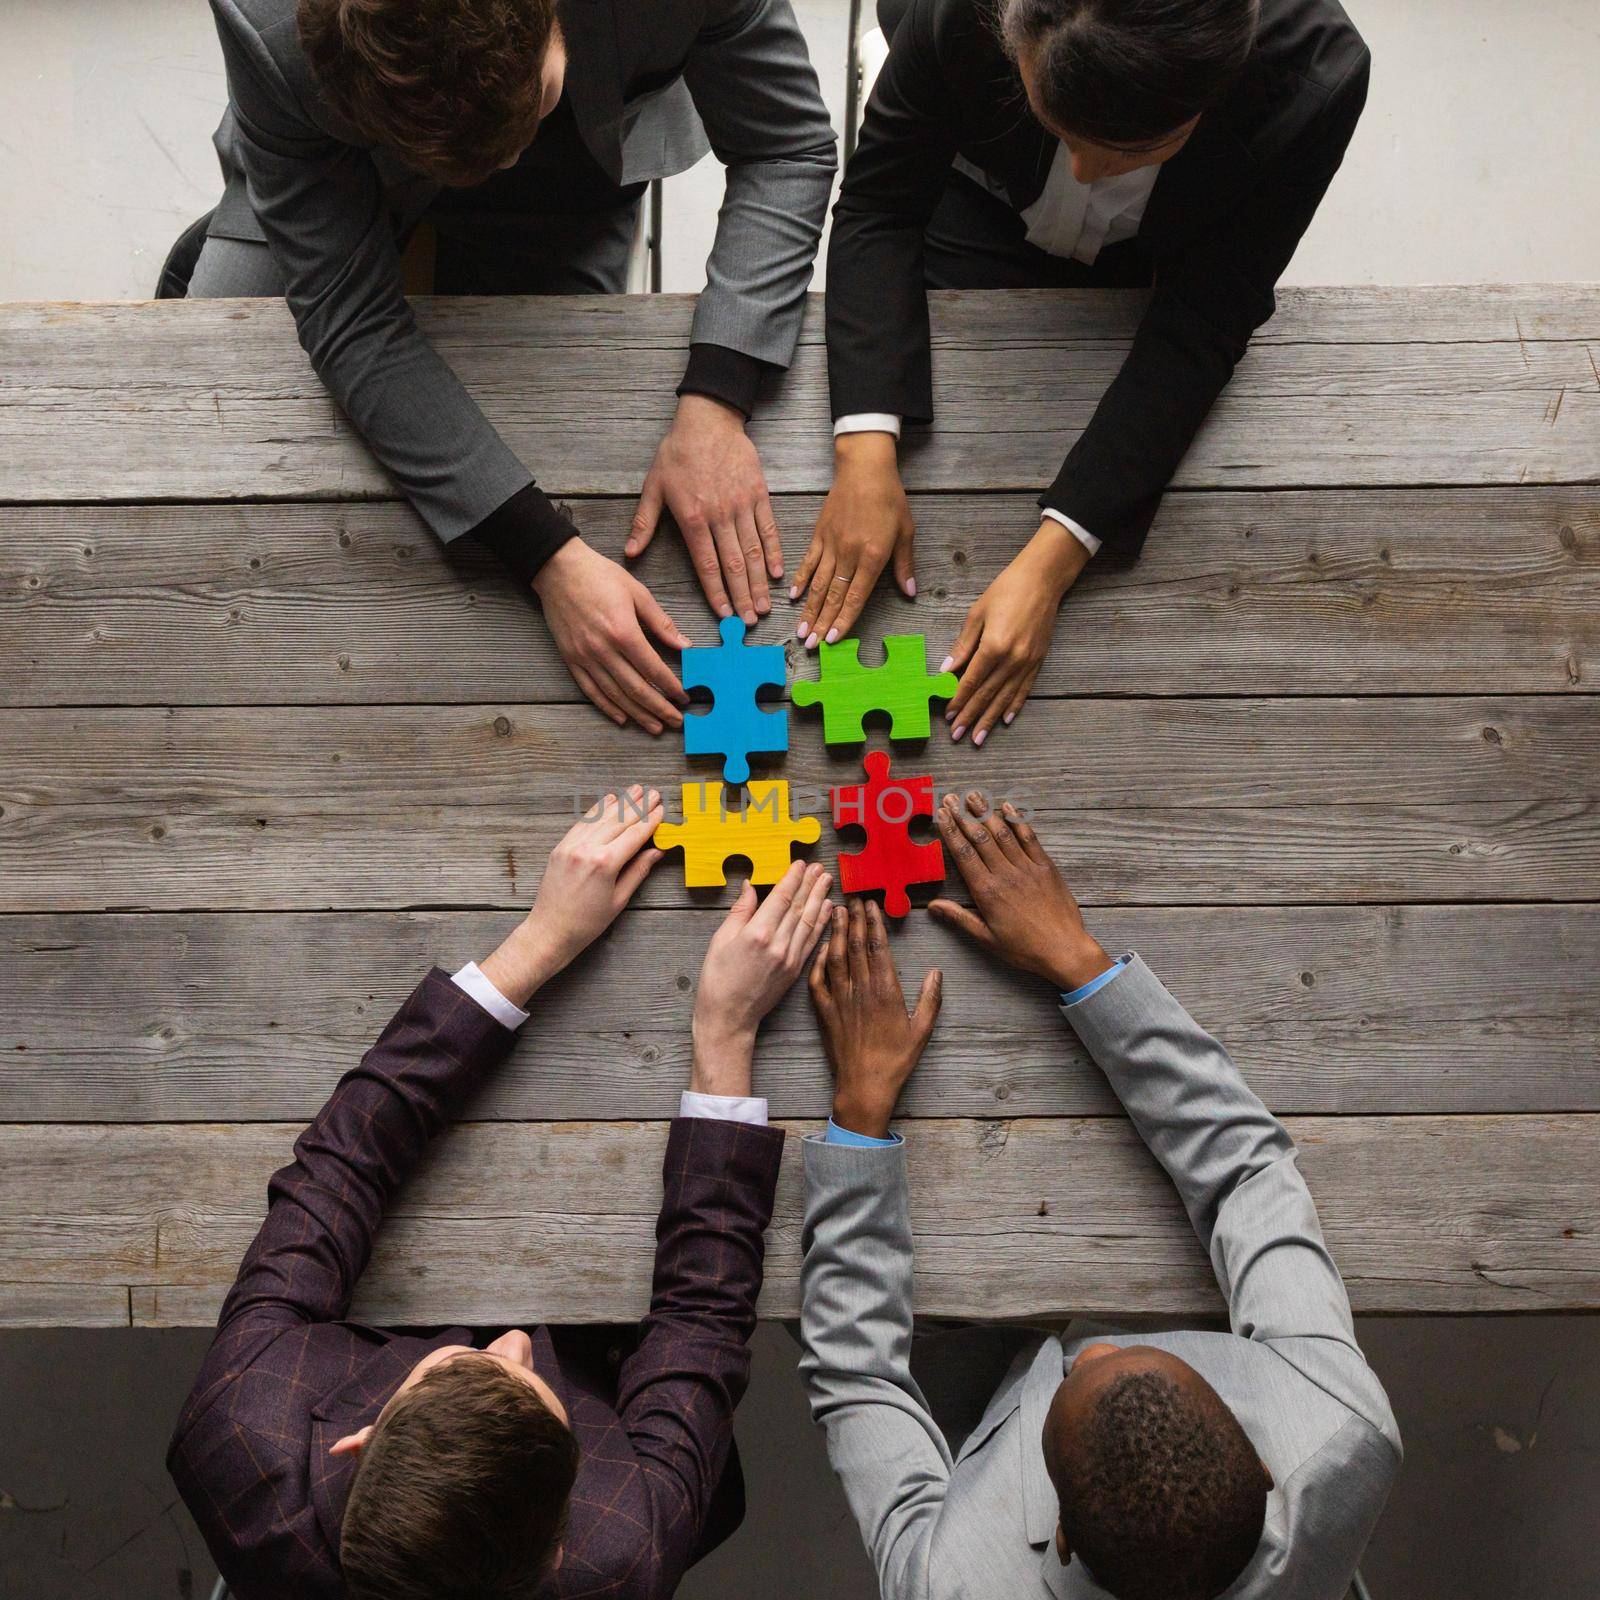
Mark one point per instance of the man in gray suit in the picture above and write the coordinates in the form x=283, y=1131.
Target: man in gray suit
x=525, y=132
x=1170, y=1467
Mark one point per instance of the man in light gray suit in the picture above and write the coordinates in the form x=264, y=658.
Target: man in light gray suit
x=525, y=132
x=1170, y=1467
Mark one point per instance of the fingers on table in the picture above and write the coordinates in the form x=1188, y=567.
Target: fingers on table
x=707, y=568
x=880, y=960
x=986, y=679
x=838, y=961
x=729, y=552
x=640, y=675
x=755, y=559
x=654, y=616
x=1010, y=690
x=809, y=915
x=969, y=922
x=771, y=537
x=1026, y=837
x=598, y=696
x=808, y=565
x=636, y=821
x=828, y=589
x=929, y=998
x=646, y=518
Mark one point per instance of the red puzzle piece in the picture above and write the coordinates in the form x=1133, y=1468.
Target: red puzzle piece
x=885, y=807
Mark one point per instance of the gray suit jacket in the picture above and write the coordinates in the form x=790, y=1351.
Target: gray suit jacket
x=649, y=82
x=983, y=1523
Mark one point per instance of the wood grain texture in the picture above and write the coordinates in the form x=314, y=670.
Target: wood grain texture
x=1150, y=801
x=1293, y=592
x=166, y=1018
x=216, y=401
x=1027, y=1218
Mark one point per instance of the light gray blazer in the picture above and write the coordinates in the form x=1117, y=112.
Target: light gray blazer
x=983, y=1524
x=332, y=207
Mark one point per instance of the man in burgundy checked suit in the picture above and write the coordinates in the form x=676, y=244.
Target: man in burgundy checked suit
x=323, y=1458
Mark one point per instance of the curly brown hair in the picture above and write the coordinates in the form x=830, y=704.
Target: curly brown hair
x=452, y=86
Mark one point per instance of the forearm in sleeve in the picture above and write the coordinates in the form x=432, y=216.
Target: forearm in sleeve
x=856, y=1325
x=321, y=206
x=757, y=94
x=1232, y=1162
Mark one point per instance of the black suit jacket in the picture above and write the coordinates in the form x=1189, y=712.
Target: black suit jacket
x=288, y=1374
x=1222, y=222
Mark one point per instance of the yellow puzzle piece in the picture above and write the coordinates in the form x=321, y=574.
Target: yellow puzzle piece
x=710, y=833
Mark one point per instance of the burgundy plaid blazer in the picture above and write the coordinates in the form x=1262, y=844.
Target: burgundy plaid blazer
x=286, y=1375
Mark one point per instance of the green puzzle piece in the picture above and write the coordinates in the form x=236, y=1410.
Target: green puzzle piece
x=846, y=690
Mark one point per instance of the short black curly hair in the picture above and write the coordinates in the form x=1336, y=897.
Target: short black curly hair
x=1163, y=1496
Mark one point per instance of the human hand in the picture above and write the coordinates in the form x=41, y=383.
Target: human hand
x=591, y=875
x=597, y=613
x=751, y=963
x=865, y=521
x=1025, y=914
x=708, y=475
x=1006, y=636
x=871, y=1043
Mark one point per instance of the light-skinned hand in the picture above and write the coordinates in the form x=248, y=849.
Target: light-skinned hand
x=591, y=875
x=872, y=1043
x=1008, y=631
x=597, y=613
x=1026, y=915
x=864, y=524
x=708, y=475
x=751, y=964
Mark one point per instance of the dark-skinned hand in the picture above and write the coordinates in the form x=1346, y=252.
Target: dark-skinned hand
x=871, y=1041
x=1025, y=913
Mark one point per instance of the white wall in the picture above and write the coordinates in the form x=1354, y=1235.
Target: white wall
x=1476, y=161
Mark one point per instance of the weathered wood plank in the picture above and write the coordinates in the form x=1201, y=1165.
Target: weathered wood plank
x=215, y=400
x=1153, y=801
x=1421, y=591
x=1326, y=1009
x=68, y=1305
x=532, y=1221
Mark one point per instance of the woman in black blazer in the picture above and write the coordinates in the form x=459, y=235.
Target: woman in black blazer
x=1184, y=144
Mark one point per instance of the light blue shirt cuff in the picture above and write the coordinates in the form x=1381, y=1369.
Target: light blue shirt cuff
x=838, y=1135
x=1085, y=990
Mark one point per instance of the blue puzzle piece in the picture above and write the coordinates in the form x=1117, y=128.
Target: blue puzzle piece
x=735, y=726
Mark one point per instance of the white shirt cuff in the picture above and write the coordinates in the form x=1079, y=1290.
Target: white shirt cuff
x=472, y=983
x=724, y=1107
x=1076, y=529
x=868, y=422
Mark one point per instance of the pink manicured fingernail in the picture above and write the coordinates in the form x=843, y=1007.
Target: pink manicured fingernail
x=949, y=661
x=956, y=732
x=980, y=736
x=911, y=587
x=1009, y=718
x=800, y=628
x=794, y=591
x=833, y=633
x=811, y=643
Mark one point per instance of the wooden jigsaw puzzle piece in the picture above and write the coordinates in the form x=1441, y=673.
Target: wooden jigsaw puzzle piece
x=836, y=688
x=736, y=726
x=847, y=691
x=908, y=686
x=763, y=831
x=891, y=861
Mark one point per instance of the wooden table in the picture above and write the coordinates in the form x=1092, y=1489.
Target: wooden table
x=1328, y=756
